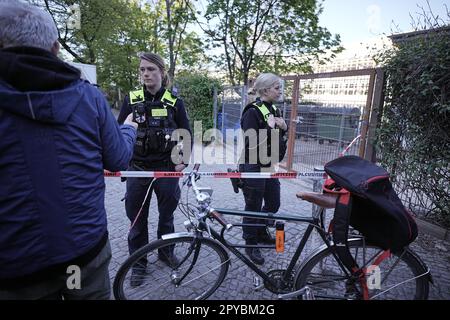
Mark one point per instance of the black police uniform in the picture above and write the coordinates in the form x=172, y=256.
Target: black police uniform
x=152, y=152
x=255, y=191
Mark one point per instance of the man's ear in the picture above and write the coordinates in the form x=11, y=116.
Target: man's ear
x=55, y=48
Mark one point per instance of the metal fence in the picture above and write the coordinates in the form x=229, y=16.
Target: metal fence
x=324, y=112
x=230, y=105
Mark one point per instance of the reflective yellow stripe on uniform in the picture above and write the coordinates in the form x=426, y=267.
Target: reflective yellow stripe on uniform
x=136, y=96
x=168, y=99
x=263, y=109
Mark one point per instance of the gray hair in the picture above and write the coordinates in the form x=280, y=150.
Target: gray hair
x=22, y=24
x=263, y=82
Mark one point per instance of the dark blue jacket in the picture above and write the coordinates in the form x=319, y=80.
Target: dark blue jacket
x=57, y=135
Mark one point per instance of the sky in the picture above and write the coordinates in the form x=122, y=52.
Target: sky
x=359, y=20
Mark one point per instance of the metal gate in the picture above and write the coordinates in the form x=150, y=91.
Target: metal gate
x=324, y=112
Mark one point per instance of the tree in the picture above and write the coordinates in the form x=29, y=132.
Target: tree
x=112, y=33
x=413, y=135
x=99, y=21
x=180, y=45
x=266, y=34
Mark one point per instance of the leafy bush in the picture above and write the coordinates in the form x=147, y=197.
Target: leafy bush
x=413, y=138
x=197, y=92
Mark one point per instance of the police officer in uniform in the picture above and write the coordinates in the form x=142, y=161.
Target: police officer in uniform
x=158, y=113
x=265, y=133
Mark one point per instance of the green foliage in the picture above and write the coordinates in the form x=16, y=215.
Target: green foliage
x=267, y=35
x=117, y=55
x=413, y=139
x=113, y=32
x=197, y=92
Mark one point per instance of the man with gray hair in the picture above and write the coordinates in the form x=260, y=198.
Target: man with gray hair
x=58, y=135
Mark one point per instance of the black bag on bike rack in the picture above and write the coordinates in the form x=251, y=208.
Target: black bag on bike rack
x=368, y=203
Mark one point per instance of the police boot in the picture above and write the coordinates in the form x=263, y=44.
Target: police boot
x=265, y=237
x=254, y=254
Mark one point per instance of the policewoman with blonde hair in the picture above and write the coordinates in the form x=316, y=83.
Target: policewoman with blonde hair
x=264, y=146
x=159, y=113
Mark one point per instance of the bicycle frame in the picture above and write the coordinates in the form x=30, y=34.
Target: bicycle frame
x=290, y=280
x=314, y=222
x=204, y=211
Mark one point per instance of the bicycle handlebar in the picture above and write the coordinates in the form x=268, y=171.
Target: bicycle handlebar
x=202, y=197
x=191, y=179
x=192, y=173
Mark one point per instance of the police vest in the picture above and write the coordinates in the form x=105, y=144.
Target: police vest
x=156, y=122
x=264, y=114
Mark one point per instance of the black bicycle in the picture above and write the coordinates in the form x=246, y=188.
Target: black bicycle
x=203, y=261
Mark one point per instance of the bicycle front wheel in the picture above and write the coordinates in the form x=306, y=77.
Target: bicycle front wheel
x=400, y=276
x=200, y=266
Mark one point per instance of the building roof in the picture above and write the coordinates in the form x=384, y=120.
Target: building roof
x=401, y=38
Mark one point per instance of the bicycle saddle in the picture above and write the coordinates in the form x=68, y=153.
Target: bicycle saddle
x=322, y=200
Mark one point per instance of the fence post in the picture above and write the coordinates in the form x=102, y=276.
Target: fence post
x=341, y=129
x=292, y=128
x=223, y=114
x=378, y=97
x=366, y=115
x=215, y=109
x=243, y=98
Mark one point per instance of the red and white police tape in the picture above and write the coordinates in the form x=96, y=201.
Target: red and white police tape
x=246, y=175
x=249, y=175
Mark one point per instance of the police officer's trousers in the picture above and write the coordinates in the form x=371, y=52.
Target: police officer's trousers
x=167, y=193
x=255, y=191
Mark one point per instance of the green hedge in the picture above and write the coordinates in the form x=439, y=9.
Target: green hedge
x=197, y=92
x=413, y=138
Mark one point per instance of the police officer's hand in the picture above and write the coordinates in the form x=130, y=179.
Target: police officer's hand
x=129, y=121
x=180, y=167
x=281, y=123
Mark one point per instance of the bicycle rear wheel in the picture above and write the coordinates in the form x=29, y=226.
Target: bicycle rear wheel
x=160, y=280
x=401, y=276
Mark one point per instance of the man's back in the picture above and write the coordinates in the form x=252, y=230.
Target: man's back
x=57, y=136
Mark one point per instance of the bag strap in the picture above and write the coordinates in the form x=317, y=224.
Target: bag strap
x=341, y=222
